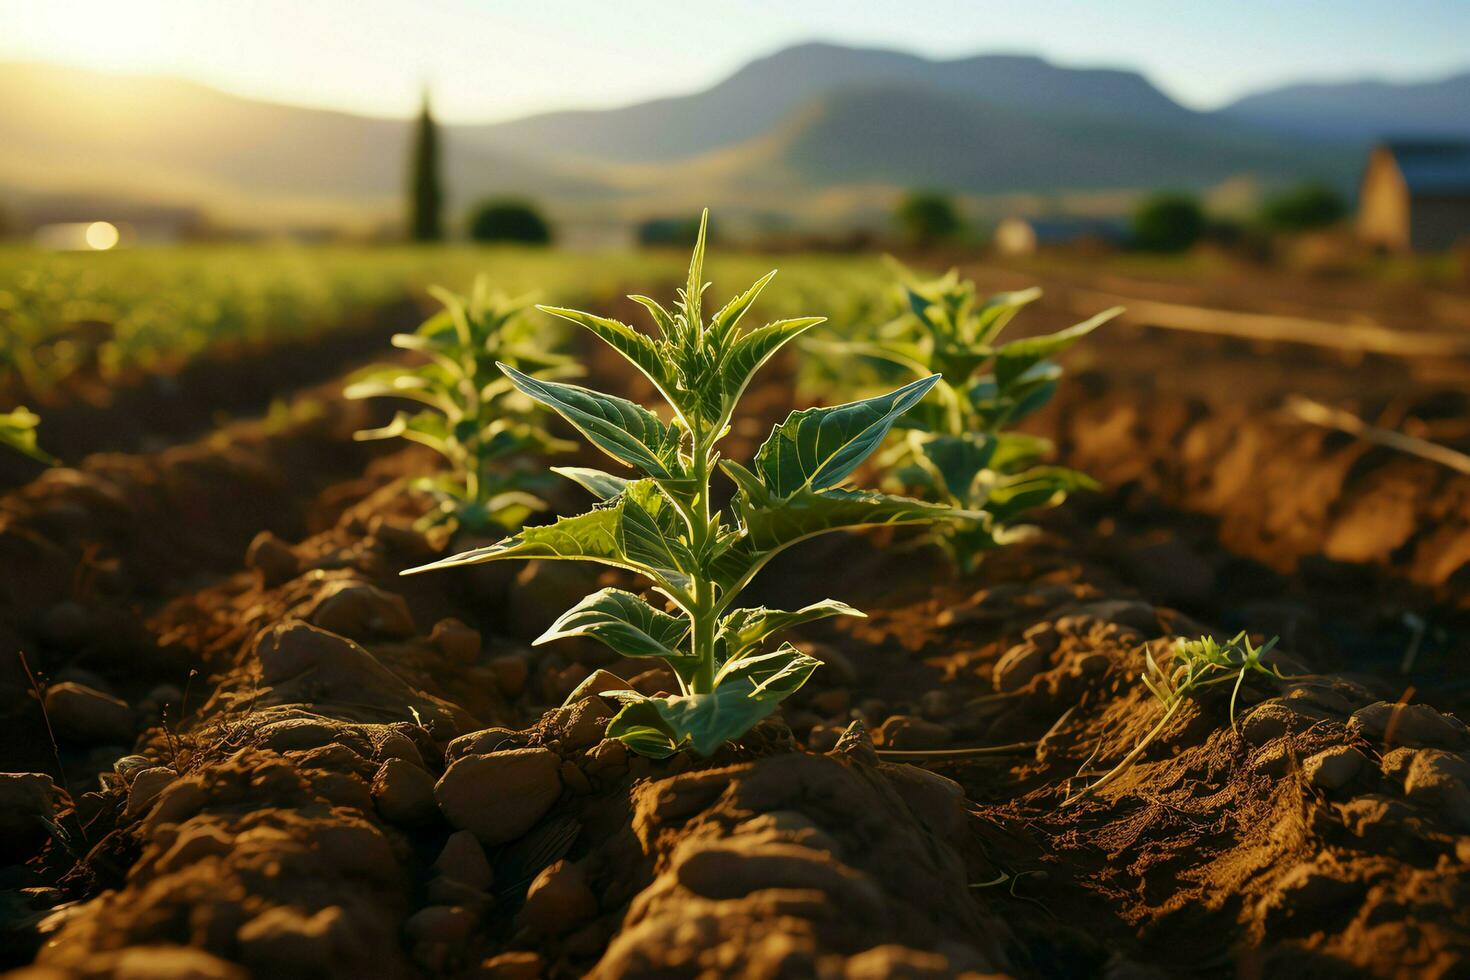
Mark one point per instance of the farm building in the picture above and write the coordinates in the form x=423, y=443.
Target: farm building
x=1416, y=195
x=1023, y=236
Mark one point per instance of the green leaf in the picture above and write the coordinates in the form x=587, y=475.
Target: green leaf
x=745, y=691
x=1036, y=487
x=770, y=676
x=426, y=428
x=745, y=629
x=996, y=312
x=625, y=623
x=637, y=347
x=637, y=531
x=750, y=353
x=1014, y=359
x=955, y=460
x=818, y=448
x=18, y=431
x=728, y=318
x=624, y=430
x=603, y=486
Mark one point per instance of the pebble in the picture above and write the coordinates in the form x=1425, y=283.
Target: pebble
x=1414, y=725
x=735, y=867
x=358, y=610
x=513, y=965
x=1017, y=666
x=463, y=859
x=296, y=733
x=482, y=743
x=146, y=787
x=457, y=641
x=907, y=732
x=447, y=924
x=281, y=940
x=1272, y=719
x=273, y=559
x=559, y=901
x=83, y=714
x=27, y=800
x=1333, y=768
x=501, y=796
x=510, y=673
x=404, y=793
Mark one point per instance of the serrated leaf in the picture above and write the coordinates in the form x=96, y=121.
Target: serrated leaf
x=728, y=318
x=817, y=448
x=745, y=629
x=1015, y=358
x=777, y=674
x=638, y=348
x=746, y=692
x=619, y=533
x=623, y=622
x=624, y=430
x=751, y=352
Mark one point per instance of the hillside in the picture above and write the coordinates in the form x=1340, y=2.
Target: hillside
x=817, y=132
x=765, y=92
x=912, y=136
x=1362, y=111
x=67, y=131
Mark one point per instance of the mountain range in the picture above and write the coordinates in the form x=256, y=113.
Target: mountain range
x=816, y=132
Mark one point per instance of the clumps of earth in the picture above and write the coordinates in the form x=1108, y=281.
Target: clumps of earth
x=369, y=776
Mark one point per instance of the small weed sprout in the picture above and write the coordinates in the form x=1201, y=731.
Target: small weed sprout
x=1192, y=666
x=957, y=448
x=472, y=415
x=18, y=431
x=662, y=526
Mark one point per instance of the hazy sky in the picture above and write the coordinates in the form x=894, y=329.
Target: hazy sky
x=491, y=60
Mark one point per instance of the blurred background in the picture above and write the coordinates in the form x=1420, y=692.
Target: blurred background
x=1321, y=135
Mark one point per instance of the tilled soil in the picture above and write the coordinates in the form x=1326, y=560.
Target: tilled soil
x=278, y=758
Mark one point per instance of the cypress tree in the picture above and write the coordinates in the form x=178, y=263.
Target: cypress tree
x=425, y=196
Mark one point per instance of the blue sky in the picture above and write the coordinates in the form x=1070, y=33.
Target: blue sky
x=492, y=60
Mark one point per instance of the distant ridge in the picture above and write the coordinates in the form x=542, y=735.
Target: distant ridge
x=1362, y=111
x=814, y=131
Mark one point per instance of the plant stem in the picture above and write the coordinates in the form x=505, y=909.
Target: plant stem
x=703, y=613
x=1128, y=759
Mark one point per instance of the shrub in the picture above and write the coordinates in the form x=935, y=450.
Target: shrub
x=661, y=525
x=928, y=218
x=1168, y=223
x=509, y=221
x=1303, y=208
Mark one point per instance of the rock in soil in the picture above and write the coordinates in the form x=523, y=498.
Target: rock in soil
x=83, y=714
x=499, y=797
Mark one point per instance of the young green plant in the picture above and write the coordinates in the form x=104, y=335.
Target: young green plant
x=472, y=415
x=18, y=431
x=661, y=523
x=1192, y=666
x=957, y=448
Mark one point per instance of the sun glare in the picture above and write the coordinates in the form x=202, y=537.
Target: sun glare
x=101, y=235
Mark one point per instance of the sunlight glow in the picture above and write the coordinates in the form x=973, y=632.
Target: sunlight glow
x=102, y=235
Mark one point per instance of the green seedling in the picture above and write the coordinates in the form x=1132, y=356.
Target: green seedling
x=472, y=414
x=1192, y=666
x=18, y=431
x=661, y=525
x=957, y=449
